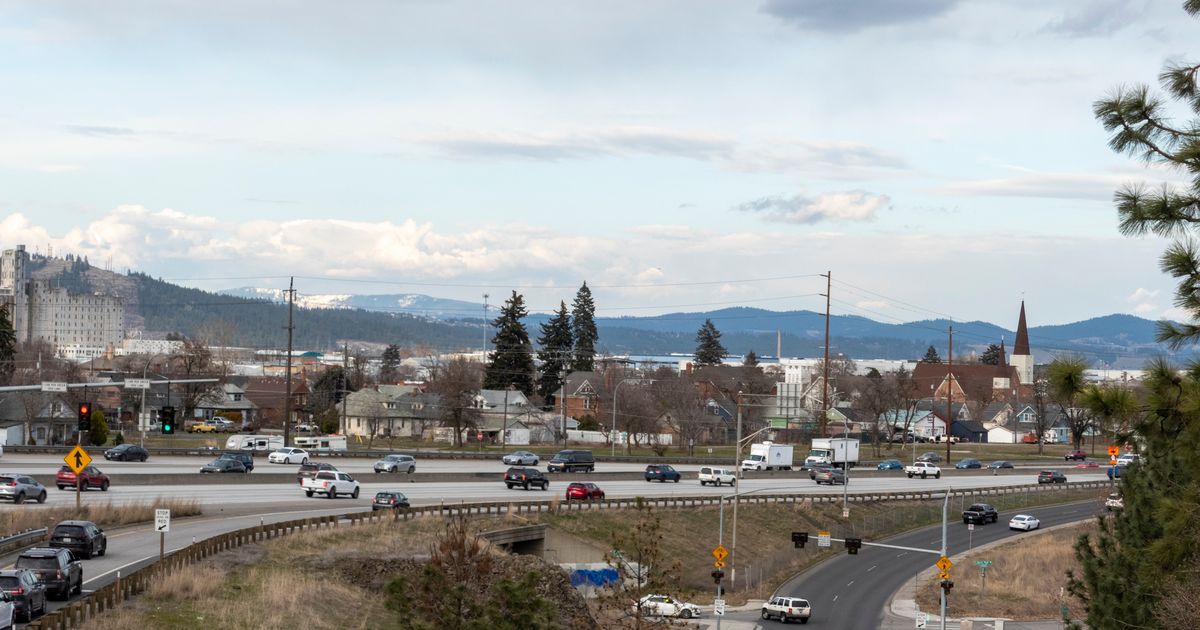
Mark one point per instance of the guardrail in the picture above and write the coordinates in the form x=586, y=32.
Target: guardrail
x=22, y=539
x=76, y=614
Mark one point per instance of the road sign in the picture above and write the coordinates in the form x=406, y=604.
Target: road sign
x=720, y=552
x=845, y=512
x=1113, y=451
x=137, y=383
x=970, y=527
x=718, y=607
x=162, y=521
x=944, y=563
x=822, y=539
x=943, y=575
x=54, y=387
x=77, y=459
x=720, y=564
x=922, y=619
x=1112, y=461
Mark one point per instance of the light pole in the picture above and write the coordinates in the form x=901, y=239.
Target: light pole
x=617, y=388
x=738, y=472
x=721, y=529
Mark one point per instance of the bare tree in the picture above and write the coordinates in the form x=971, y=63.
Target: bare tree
x=683, y=409
x=456, y=382
x=643, y=569
x=876, y=396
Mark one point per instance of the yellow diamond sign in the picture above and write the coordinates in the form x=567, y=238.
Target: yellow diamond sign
x=720, y=552
x=77, y=459
x=944, y=563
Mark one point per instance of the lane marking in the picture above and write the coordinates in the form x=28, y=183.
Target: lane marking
x=835, y=598
x=872, y=568
x=850, y=583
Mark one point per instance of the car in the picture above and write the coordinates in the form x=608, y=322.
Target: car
x=525, y=477
x=890, y=464
x=818, y=467
x=954, y=439
x=1050, y=438
x=1075, y=455
x=1114, y=472
x=245, y=458
x=662, y=473
x=126, y=453
x=307, y=428
x=520, y=458
x=584, y=491
x=716, y=476
x=787, y=609
x=1128, y=458
x=202, y=427
x=389, y=500
x=923, y=470
x=331, y=484
x=1024, y=522
x=311, y=469
x=221, y=465
x=667, y=606
x=1091, y=463
x=89, y=477
x=980, y=513
x=8, y=611
x=396, y=463
x=1051, y=476
x=17, y=487
x=27, y=592
x=58, y=569
x=997, y=465
x=572, y=461
x=1030, y=438
x=930, y=457
x=288, y=455
x=83, y=538
x=968, y=463
x=1114, y=502
x=223, y=425
x=830, y=476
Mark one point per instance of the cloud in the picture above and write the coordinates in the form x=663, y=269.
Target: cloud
x=836, y=160
x=1052, y=185
x=1145, y=308
x=1141, y=294
x=100, y=131
x=853, y=205
x=843, y=16
x=1097, y=18
x=57, y=168
x=623, y=141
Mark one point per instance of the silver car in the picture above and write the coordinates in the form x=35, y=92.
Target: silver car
x=396, y=463
x=17, y=487
x=520, y=458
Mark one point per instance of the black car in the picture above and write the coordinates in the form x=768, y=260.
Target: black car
x=127, y=453
x=311, y=469
x=571, y=461
x=818, y=467
x=58, y=569
x=28, y=594
x=246, y=458
x=389, y=501
x=224, y=466
x=525, y=477
x=930, y=457
x=82, y=538
x=996, y=465
x=969, y=463
x=1051, y=476
x=661, y=472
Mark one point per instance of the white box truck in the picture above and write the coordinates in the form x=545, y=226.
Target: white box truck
x=768, y=456
x=840, y=452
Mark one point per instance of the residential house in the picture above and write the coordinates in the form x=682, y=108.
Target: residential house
x=227, y=400
x=268, y=393
x=969, y=431
x=976, y=382
x=50, y=418
x=581, y=393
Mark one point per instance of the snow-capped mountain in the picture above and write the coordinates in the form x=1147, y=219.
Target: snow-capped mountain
x=407, y=303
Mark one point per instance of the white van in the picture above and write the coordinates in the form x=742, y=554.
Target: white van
x=321, y=443
x=254, y=442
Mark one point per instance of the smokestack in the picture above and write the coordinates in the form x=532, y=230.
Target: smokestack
x=778, y=345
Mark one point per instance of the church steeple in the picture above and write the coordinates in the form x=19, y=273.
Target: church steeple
x=1003, y=353
x=1022, y=344
x=1022, y=358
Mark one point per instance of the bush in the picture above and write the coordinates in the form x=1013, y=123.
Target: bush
x=119, y=439
x=99, y=433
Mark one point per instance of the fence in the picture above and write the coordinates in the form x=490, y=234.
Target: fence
x=75, y=614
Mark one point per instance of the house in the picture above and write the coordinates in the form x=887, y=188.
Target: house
x=268, y=393
x=50, y=418
x=977, y=382
x=581, y=392
x=969, y=431
x=370, y=412
x=226, y=401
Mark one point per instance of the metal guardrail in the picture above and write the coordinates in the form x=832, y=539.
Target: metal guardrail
x=22, y=539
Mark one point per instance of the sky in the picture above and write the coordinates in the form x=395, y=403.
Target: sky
x=937, y=157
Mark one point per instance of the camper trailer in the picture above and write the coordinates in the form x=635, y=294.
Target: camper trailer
x=321, y=443
x=254, y=442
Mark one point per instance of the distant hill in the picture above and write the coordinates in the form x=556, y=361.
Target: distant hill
x=401, y=303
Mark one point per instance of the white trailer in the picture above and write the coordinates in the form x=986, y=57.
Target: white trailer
x=839, y=452
x=254, y=442
x=321, y=442
x=768, y=456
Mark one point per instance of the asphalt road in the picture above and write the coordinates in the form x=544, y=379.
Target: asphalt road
x=851, y=592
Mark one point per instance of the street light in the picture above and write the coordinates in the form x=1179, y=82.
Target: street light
x=617, y=388
x=721, y=529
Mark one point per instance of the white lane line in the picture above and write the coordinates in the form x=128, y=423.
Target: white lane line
x=850, y=583
x=872, y=568
x=835, y=598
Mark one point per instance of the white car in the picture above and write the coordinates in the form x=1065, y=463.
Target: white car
x=8, y=611
x=787, y=609
x=520, y=458
x=716, y=476
x=667, y=606
x=1025, y=522
x=288, y=456
x=1128, y=458
x=1114, y=502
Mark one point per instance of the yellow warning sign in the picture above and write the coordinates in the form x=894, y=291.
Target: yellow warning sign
x=720, y=552
x=944, y=563
x=77, y=459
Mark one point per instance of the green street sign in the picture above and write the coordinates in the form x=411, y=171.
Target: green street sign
x=984, y=563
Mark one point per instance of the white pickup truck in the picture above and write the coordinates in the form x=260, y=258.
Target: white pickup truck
x=716, y=476
x=330, y=483
x=923, y=470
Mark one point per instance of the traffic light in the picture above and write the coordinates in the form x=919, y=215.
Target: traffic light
x=853, y=545
x=166, y=418
x=947, y=585
x=799, y=538
x=85, y=416
x=717, y=575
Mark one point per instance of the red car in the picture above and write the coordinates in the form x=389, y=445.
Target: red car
x=1079, y=455
x=1088, y=464
x=581, y=491
x=91, y=476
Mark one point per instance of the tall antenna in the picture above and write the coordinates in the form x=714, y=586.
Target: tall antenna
x=825, y=385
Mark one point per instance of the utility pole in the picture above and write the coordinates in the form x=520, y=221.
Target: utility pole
x=485, y=328
x=825, y=381
x=345, y=384
x=737, y=471
x=949, y=397
x=287, y=400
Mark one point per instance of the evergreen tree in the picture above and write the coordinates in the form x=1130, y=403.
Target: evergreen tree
x=709, y=350
x=555, y=354
x=991, y=356
x=750, y=359
x=583, y=322
x=512, y=361
x=931, y=356
x=389, y=371
x=8, y=347
x=98, y=434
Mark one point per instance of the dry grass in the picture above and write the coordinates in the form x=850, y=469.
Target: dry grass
x=1027, y=579
x=103, y=514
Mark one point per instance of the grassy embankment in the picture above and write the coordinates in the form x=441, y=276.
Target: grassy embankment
x=1027, y=579
x=103, y=514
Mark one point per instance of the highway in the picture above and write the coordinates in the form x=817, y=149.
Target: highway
x=851, y=592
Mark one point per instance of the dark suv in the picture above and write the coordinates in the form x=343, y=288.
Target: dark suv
x=572, y=461
x=246, y=458
x=661, y=472
x=311, y=469
x=525, y=477
x=27, y=593
x=56, y=568
x=1051, y=476
x=80, y=537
